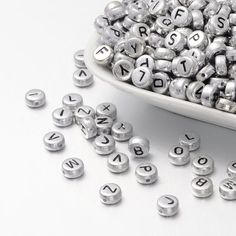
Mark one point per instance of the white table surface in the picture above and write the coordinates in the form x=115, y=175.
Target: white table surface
x=38, y=39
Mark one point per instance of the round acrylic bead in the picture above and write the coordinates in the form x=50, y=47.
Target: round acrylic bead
x=202, y=165
x=142, y=77
x=178, y=88
x=140, y=30
x=155, y=40
x=134, y=47
x=161, y=82
x=164, y=54
x=227, y=189
x=210, y=95
x=202, y=187
x=146, y=61
x=230, y=90
x=104, y=124
x=122, y=131
x=82, y=78
x=218, y=82
x=231, y=169
x=73, y=168
x=83, y=112
x=198, y=19
x=163, y=66
x=146, y=173
x=35, y=98
x=158, y=7
x=184, y=66
x=103, y=55
x=107, y=109
x=118, y=162
x=190, y=140
x=54, y=141
x=214, y=49
x=111, y=35
x=88, y=127
x=181, y=16
x=72, y=101
x=163, y=25
x=138, y=11
x=175, y=41
x=218, y=25
x=179, y=155
x=79, y=59
x=139, y=146
x=225, y=105
x=104, y=144
x=62, y=117
x=110, y=194
x=123, y=70
x=114, y=10
x=167, y=205
x=194, y=91
x=197, y=39
x=205, y=73
x=221, y=65
x=100, y=23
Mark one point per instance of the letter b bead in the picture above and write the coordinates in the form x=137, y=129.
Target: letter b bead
x=139, y=147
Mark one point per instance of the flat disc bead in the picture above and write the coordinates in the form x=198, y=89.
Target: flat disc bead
x=181, y=16
x=202, y=165
x=190, y=140
x=210, y=95
x=142, y=77
x=35, y=98
x=107, y=109
x=104, y=144
x=139, y=146
x=103, y=55
x=72, y=101
x=123, y=70
x=62, y=117
x=79, y=59
x=167, y=205
x=179, y=155
x=72, y=168
x=82, y=78
x=88, y=127
x=231, y=169
x=104, y=124
x=175, y=41
x=145, y=60
x=227, y=189
x=161, y=82
x=146, y=173
x=202, y=187
x=83, y=112
x=54, y=141
x=225, y=105
x=134, y=47
x=122, y=131
x=118, y=162
x=110, y=194
x=178, y=88
x=194, y=91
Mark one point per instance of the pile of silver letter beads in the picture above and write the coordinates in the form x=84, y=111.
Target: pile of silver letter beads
x=182, y=48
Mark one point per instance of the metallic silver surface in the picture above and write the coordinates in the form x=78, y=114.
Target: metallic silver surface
x=122, y=131
x=54, y=141
x=167, y=205
x=35, y=98
x=202, y=165
x=110, y=194
x=139, y=146
x=72, y=168
x=179, y=155
x=118, y=162
x=202, y=187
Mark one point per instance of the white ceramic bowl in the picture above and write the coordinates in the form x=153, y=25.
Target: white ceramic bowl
x=174, y=105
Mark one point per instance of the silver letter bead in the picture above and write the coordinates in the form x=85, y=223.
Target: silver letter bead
x=191, y=140
x=114, y=10
x=103, y=55
x=140, y=30
x=164, y=54
x=142, y=77
x=167, y=205
x=158, y=7
x=104, y=144
x=231, y=169
x=82, y=78
x=202, y=165
x=202, y=187
x=104, y=124
x=107, y=109
x=139, y=146
x=221, y=65
x=194, y=91
x=35, y=98
x=210, y=95
x=72, y=101
x=110, y=194
x=100, y=23
x=54, y=141
x=205, y=73
x=62, y=117
x=175, y=41
x=118, y=162
x=218, y=25
x=146, y=61
x=161, y=82
x=83, y=112
x=122, y=131
x=179, y=155
x=79, y=59
x=197, y=39
x=181, y=16
x=88, y=127
x=163, y=66
x=134, y=47
x=178, y=88
x=73, y=168
x=138, y=11
x=225, y=105
x=227, y=189
x=123, y=70
x=146, y=173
